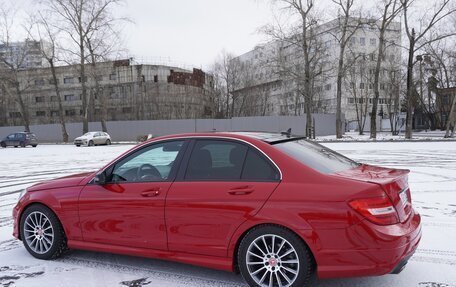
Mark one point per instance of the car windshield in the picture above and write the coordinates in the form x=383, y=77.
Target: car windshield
x=88, y=134
x=316, y=156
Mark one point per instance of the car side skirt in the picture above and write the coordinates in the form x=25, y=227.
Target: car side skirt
x=219, y=263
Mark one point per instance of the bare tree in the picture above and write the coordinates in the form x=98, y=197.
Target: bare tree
x=12, y=61
x=306, y=52
x=227, y=70
x=78, y=19
x=48, y=35
x=348, y=28
x=357, y=82
x=430, y=30
x=102, y=43
x=389, y=9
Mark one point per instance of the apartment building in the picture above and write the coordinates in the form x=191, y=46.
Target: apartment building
x=267, y=89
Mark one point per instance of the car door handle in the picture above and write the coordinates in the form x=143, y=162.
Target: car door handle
x=241, y=190
x=151, y=193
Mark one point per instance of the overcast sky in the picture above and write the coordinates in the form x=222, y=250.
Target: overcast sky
x=193, y=32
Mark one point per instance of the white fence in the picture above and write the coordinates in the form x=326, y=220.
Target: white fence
x=130, y=130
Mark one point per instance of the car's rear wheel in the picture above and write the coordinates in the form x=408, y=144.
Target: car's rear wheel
x=35, y=145
x=3, y=144
x=274, y=256
x=42, y=233
x=90, y=143
x=108, y=142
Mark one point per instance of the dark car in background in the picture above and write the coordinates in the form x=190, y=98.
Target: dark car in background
x=22, y=139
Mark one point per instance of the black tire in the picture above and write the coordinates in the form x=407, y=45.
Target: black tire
x=90, y=143
x=3, y=145
x=108, y=142
x=59, y=243
x=15, y=146
x=35, y=145
x=78, y=145
x=305, y=266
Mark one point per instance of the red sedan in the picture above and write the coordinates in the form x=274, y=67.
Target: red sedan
x=277, y=209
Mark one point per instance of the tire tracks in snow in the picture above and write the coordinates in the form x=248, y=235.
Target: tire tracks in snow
x=180, y=278
x=435, y=256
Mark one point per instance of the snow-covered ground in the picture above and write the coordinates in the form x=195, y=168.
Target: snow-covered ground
x=387, y=136
x=433, y=184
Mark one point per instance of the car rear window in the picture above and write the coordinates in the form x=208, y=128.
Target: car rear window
x=316, y=156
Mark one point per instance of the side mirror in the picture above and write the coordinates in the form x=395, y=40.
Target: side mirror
x=100, y=178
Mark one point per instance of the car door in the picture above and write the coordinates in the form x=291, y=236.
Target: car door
x=10, y=140
x=221, y=183
x=97, y=139
x=129, y=209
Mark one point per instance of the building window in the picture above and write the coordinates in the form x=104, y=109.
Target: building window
x=382, y=86
x=15, y=115
x=99, y=78
x=328, y=87
x=361, y=86
x=113, y=77
x=39, y=99
x=351, y=100
x=126, y=110
x=52, y=82
x=70, y=98
x=373, y=41
x=371, y=86
x=156, y=79
x=68, y=80
x=362, y=41
x=373, y=57
x=70, y=112
x=54, y=99
x=85, y=79
x=40, y=113
x=39, y=82
x=55, y=113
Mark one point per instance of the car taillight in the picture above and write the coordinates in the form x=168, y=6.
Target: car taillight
x=378, y=210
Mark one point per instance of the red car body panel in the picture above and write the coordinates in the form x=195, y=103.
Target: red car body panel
x=202, y=223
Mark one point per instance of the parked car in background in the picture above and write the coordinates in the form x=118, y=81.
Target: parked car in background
x=22, y=139
x=93, y=138
x=278, y=209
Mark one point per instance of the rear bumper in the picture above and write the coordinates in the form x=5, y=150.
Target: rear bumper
x=372, y=250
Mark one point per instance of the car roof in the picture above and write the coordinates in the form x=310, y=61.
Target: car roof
x=270, y=138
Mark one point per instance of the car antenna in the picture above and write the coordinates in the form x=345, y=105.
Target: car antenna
x=287, y=133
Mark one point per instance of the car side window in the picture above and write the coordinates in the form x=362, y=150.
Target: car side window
x=258, y=168
x=12, y=136
x=216, y=160
x=150, y=164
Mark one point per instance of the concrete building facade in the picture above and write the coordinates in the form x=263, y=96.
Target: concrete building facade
x=123, y=90
x=274, y=93
x=25, y=55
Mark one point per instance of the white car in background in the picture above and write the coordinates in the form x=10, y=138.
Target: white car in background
x=93, y=138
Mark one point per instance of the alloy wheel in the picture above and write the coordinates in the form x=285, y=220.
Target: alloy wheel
x=38, y=232
x=272, y=261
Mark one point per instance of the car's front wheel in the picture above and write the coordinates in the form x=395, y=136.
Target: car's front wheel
x=274, y=256
x=90, y=143
x=108, y=142
x=42, y=233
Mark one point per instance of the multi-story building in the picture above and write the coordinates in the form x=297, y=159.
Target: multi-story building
x=273, y=82
x=128, y=91
x=25, y=55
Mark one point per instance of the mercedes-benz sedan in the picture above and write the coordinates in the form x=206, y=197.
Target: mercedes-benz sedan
x=277, y=209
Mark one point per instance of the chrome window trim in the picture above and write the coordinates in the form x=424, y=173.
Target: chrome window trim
x=208, y=137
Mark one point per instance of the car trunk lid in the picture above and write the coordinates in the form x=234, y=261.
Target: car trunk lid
x=394, y=183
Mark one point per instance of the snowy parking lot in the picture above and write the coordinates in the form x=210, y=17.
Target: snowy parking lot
x=432, y=181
